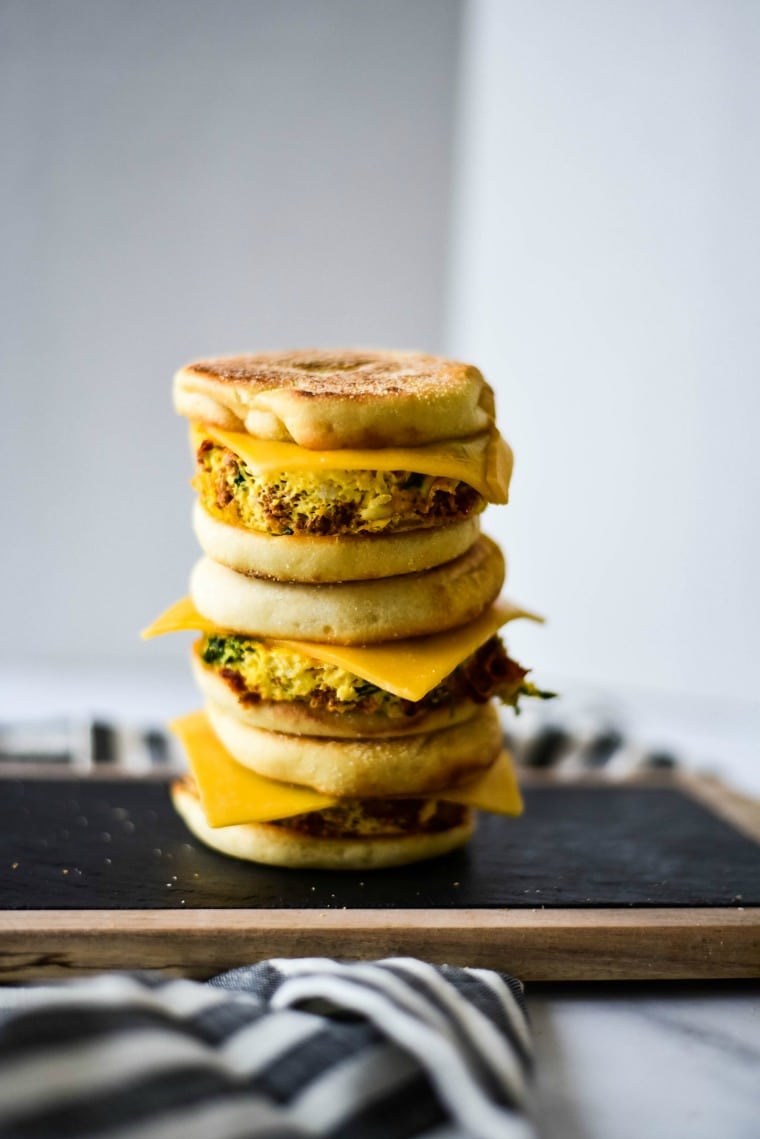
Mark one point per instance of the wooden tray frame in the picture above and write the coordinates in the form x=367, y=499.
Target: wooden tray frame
x=610, y=944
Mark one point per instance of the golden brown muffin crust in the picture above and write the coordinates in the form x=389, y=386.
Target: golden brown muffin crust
x=352, y=612
x=317, y=372
x=325, y=399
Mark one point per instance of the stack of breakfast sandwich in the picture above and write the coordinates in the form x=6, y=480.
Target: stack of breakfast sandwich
x=348, y=608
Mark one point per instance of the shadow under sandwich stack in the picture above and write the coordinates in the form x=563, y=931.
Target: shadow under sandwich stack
x=347, y=605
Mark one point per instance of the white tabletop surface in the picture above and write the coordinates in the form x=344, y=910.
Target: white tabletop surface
x=647, y=1062
x=613, y=1062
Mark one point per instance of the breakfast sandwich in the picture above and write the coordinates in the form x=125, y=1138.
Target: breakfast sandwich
x=347, y=603
x=372, y=464
x=236, y=811
x=327, y=756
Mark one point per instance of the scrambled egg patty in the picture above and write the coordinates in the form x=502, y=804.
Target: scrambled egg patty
x=258, y=671
x=376, y=817
x=330, y=502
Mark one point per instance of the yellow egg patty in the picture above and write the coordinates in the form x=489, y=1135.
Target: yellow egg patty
x=377, y=817
x=328, y=502
x=258, y=671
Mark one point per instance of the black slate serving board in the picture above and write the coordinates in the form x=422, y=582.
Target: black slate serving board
x=119, y=845
x=595, y=881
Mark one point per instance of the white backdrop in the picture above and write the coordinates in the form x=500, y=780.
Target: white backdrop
x=183, y=178
x=606, y=276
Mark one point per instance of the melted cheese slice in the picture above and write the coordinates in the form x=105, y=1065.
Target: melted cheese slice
x=482, y=461
x=231, y=793
x=409, y=669
x=180, y=616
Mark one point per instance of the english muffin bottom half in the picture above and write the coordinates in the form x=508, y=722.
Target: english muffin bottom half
x=355, y=836
x=327, y=557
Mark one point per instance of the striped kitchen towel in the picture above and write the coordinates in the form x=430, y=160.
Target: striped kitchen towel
x=571, y=740
x=390, y=1049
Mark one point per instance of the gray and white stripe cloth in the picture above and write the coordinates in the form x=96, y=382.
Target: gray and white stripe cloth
x=289, y=1048
x=573, y=740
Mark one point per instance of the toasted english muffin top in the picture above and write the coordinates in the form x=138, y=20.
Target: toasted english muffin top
x=326, y=399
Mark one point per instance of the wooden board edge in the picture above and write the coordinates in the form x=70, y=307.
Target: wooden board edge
x=535, y=945
x=732, y=806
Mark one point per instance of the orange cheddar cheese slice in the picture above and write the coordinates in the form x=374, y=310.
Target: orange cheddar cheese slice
x=482, y=461
x=231, y=793
x=496, y=791
x=179, y=617
x=410, y=668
